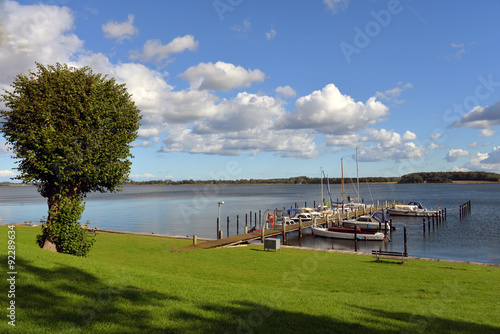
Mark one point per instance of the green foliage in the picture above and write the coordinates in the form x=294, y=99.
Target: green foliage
x=65, y=231
x=448, y=177
x=70, y=130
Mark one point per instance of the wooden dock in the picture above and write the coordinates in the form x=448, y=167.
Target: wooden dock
x=282, y=230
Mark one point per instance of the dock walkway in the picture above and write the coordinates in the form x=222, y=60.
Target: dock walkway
x=279, y=230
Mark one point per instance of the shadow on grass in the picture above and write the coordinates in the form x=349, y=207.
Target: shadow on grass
x=245, y=317
x=67, y=299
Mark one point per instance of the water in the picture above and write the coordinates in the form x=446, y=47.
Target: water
x=187, y=210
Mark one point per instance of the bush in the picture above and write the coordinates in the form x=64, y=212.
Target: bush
x=65, y=230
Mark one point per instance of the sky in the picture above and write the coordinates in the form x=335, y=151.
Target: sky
x=239, y=89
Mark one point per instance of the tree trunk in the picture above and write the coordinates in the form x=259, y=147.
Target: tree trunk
x=49, y=245
x=53, y=203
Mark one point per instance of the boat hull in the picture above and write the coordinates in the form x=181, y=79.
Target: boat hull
x=348, y=235
x=411, y=213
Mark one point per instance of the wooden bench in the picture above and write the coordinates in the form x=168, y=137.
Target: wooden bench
x=389, y=255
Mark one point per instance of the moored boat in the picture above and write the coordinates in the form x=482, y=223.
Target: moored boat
x=348, y=233
x=412, y=209
x=376, y=221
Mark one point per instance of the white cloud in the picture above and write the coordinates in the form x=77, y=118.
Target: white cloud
x=154, y=50
x=6, y=174
x=40, y=33
x=286, y=91
x=271, y=34
x=434, y=146
x=221, y=76
x=329, y=111
x=487, y=133
x=120, y=30
x=144, y=176
x=454, y=154
x=435, y=135
x=336, y=5
x=397, y=153
x=246, y=111
x=408, y=136
x=480, y=117
x=493, y=157
x=393, y=94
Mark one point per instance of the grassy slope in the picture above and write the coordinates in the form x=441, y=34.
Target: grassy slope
x=131, y=284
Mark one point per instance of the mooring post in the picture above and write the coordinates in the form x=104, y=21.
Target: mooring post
x=433, y=215
x=250, y=218
x=262, y=235
x=237, y=224
x=246, y=219
x=429, y=224
x=355, y=238
x=390, y=227
x=227, y=226
x=255, y=216
x=300, y=227
x=260, y=219
x=195, y=239
x=406, y=250
x=424, y=226
x=218, y=227
x=284, y=232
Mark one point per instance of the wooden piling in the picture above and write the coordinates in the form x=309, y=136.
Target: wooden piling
x=424, y=226
x=355, y=238
x=195, y=239
x=300, y=227
x=218, y=227
x=228, y=226
x=237, y=224
x=404, y=237
x=284, y=232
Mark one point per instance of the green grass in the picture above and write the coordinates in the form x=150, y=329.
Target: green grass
x=135, y=284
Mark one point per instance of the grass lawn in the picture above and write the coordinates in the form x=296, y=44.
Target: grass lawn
x=135, y=284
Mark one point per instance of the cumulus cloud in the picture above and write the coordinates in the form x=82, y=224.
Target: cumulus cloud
x=336, y=5
x=120, y=30
x=408, y=136
x=493, y=157
x=454, y=154
x=32, y=33
x=154, y=50
x=286, y=91
x=483, y=118
x=328, y=111
x=221, y=76
x=397, y=153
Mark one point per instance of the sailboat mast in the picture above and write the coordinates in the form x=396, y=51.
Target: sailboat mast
x=342, y=171
x=321, y=177
x=357, y=171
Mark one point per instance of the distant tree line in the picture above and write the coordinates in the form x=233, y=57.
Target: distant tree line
x=448, y=177
x=291, y=180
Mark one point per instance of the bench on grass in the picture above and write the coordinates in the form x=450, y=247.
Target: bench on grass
x=379, y=254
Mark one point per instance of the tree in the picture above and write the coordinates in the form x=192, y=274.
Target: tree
x=70, y=130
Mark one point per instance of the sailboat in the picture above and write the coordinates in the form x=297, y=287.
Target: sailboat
x=353, y=204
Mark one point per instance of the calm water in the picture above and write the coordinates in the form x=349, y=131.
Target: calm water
x=188, y=210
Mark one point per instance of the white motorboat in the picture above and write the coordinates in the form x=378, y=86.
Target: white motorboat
x=413, y=209
x=347, y=233
x=374, y=222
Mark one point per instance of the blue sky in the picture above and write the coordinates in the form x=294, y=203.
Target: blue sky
x=234, y=89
